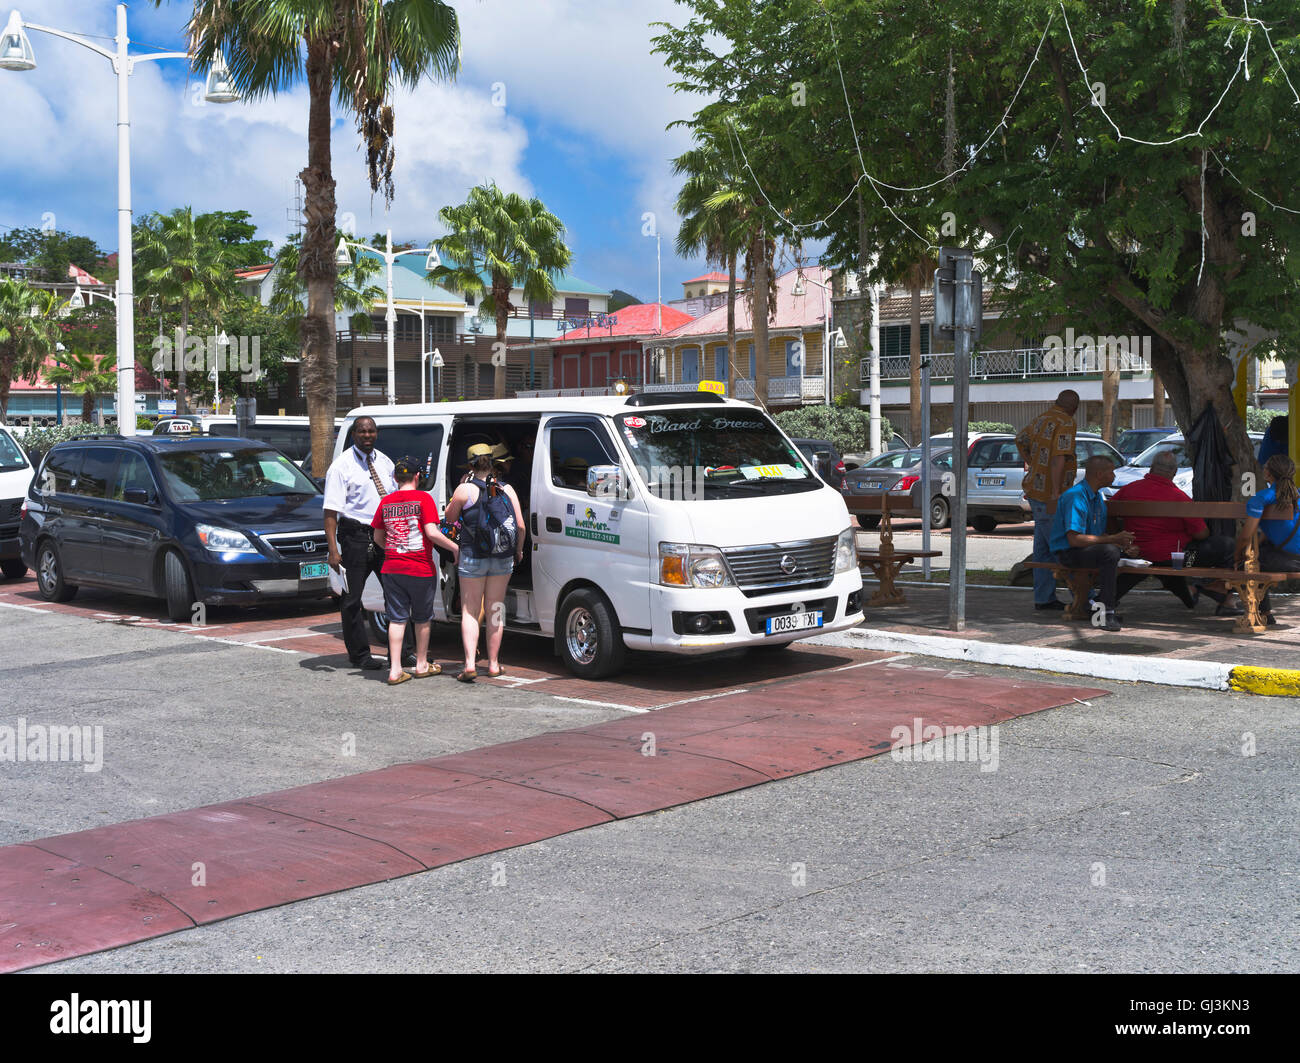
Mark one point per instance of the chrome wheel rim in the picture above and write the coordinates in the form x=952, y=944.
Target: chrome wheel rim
x=49, y=571
x=580, y=636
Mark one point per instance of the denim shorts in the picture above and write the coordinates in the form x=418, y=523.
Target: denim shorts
x=407, y=598
x=481, y=567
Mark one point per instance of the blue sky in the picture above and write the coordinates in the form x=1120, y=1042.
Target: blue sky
x=583, y=127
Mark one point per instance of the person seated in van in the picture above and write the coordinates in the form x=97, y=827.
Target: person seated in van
x=502, y=462
x=491, y=544
x=406, y=529
x=572, y=474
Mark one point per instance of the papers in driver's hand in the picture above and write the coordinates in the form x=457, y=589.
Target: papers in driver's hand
x=1133, y=562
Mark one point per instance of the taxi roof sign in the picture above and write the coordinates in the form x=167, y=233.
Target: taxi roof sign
x=715, y=386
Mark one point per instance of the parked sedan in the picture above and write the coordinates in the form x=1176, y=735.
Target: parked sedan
x=902, y=486
x=219, y=521
x=994, y=474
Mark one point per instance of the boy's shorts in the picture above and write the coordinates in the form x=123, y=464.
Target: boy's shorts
x=408, y=598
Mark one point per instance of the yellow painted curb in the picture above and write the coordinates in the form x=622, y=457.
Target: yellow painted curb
x=1279, y=682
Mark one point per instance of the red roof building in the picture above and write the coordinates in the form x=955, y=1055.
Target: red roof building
x=591, y=360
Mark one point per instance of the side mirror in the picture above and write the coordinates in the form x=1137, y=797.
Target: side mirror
x=606, y=481
x=137, y=496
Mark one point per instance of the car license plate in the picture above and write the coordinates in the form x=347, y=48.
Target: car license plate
x=313, y=570
x=992, y=481
x=780, y=625
x=872, y=485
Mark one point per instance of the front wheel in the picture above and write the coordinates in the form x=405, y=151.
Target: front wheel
x=179, y=589
x=49, y=575
x=591, y=641
x=939, y=512
x=13, y=568
x=984, y=524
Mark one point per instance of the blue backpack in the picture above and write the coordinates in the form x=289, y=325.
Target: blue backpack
x=490, y=522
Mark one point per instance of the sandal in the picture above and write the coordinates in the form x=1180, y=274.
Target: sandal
x=497, y=674
x=404, y=677
x=466, y=677
x=434, y=669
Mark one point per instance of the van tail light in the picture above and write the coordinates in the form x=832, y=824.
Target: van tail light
x=906, y=483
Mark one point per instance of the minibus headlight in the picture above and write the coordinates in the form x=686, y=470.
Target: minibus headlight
x=690, y=565
x=846, y=551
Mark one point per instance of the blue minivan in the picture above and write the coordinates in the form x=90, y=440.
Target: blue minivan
x=218, y=521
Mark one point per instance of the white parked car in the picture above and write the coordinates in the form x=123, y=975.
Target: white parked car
x=15, y=478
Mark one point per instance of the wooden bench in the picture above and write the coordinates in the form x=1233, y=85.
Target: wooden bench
x=1249, y=583
x=886, y=562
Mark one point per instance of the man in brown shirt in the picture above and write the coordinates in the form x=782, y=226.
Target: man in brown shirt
x=1047, y=449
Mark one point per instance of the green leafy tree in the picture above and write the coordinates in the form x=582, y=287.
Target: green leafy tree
x=182, y=262
x=352, y=50
x=849, y=428
x=51, y=251
x=353, y=292
x=512, y=241
x=86, y=374
x=28, y=334
x=236, y=231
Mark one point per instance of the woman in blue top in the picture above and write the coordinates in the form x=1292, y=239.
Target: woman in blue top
x=1275, y=511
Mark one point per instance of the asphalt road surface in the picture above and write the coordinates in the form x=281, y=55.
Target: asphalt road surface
x=1151, y=829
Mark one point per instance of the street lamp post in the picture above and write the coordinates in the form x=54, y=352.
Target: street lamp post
x=431, y=262
x=16, y=54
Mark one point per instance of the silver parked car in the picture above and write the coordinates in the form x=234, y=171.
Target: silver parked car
x=1141, y=465
x=902, y=485
x=994, y=473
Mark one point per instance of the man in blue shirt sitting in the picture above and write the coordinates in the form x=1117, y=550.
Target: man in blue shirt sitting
x=1079, y=536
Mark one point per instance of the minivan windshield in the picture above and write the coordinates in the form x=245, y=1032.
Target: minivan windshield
x=242, y=472
x=11, y=454
x=714, y=453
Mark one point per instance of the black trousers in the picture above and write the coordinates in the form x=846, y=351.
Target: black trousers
x=1106, y=558
x=1275, y=559
x=360, y=558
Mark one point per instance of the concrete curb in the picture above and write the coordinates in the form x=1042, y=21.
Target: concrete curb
x=1277, y=682
x=1208, y=675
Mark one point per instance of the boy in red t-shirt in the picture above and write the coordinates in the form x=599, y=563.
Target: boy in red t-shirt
x=406, y=527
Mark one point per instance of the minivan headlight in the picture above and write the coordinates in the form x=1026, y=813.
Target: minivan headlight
x=224, y=540
x=846, y=551
x=690, y=565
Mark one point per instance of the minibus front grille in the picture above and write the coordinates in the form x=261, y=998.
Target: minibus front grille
x=758, y=569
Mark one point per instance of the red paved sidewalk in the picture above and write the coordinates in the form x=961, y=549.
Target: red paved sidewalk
x=79, y=893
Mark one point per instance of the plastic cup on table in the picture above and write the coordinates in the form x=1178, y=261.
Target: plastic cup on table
x=1177, y=559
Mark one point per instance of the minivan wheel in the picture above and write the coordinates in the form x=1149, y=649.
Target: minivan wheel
x=939, y=512
x=13, y=568
x=984, y=524
x=591, y=641
x=49, y=575
x=180, y=591
x=378, y=623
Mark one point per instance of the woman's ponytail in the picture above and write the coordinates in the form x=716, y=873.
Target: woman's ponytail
x=1282, y=469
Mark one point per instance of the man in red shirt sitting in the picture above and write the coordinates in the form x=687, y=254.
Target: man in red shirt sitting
x=1158, y=537
x=406, y=527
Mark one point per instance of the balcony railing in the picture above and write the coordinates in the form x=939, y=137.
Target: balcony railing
x=779, y=388
x=1017, y=364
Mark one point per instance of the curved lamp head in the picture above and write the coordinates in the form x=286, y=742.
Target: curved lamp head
x=15, y=49
x=799, y=287
x=78, y=300
x=433, y=261
x=219, y=88
x=341, y=256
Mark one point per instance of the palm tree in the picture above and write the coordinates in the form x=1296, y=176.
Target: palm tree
x=183, y=262
x=28, y=333
x=515, y=242
x=716, y=230
x=86, y=374
x=356, y=50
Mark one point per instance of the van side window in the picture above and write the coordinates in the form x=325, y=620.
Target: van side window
x=60, y=471
x=573, y=451
x=132, y=475
x=96, y=471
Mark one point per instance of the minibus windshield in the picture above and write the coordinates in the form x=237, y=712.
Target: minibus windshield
x=713, y=453
x=11, y=455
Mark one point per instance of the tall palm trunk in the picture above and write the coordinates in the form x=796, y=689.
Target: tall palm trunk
x=182, y=396
x=501, y=294
x=760, y=312
x=731, y=325
x=316, y=263
x=914, y=362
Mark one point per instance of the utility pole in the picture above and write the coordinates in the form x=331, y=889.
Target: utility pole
x=958, y=315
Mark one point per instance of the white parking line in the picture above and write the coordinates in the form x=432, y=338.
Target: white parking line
x=600, y=704
x=24, y=608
